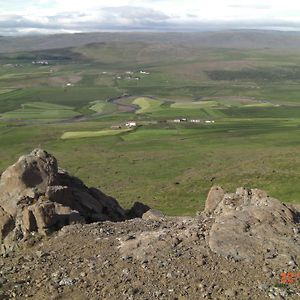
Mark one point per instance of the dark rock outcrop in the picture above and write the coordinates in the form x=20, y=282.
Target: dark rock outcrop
x=138, y=209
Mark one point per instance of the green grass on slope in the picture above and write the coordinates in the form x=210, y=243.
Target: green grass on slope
x=103, y=107
x=40, y=110
x=194, y=105
x=89, y=134
x=252, y=143
x=147, y=105
x=46, y=106
x=4, y=91
x=72, y=96
x=170, y=169
x=98, y=106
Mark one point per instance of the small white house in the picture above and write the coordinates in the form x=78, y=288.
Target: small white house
x=144, y=72
x=209, y=122
x=177, y=121
x=130, y=124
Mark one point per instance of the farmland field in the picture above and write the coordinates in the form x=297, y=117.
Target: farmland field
x=41, y=111
x=70, y=106
x=147, y=105
x=89, y=134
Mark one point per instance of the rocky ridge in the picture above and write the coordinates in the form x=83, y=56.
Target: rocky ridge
x=237, y=248
x=36, y=196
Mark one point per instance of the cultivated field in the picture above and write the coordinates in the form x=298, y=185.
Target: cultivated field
x=76, y=107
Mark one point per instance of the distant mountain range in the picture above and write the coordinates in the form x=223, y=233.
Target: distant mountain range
x=239, y=39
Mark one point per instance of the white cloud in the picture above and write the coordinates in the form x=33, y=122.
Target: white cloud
x=92, y=15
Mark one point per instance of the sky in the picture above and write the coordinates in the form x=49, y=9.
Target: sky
x=21, y=17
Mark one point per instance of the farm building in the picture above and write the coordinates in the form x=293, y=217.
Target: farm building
x=130, y=124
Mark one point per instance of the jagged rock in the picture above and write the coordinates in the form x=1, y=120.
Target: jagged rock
x=247, y=224
x=44, y=214
x=28, y=177
x=138, y=209
x=214, y=197
x=29, y=221
x=36, y=195
x=6, y=223
x=66, y=215
x=153, y=214
x=110, y=205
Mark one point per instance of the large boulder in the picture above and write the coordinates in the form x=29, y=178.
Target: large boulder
x=28, y=177
x=37, y=196
x=153, y=215
x=248, y=224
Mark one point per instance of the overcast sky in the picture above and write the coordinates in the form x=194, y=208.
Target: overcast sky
x=57, y=16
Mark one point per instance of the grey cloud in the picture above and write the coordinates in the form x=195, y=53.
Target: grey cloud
x=250, y=6
x=128, y=19
x=135, y=13
x=110, y=18
x=15, y=22
x=191, y=16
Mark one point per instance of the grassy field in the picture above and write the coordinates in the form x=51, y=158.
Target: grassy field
x=147, y=105
x=41, y=111
x=89, y=134
x=103, y=107
x=195, y=105
x=253, y=96
x=171, y=169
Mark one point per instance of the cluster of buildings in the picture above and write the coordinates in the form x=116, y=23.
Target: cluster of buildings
x=128, y=124
x=41, y=62
x=128, y=78
x=133, y=124
x=129, y=75
x=197, y=121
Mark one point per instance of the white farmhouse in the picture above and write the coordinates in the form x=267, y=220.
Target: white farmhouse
x=130, y=124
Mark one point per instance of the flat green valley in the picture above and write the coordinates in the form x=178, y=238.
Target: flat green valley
x=157, y=120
